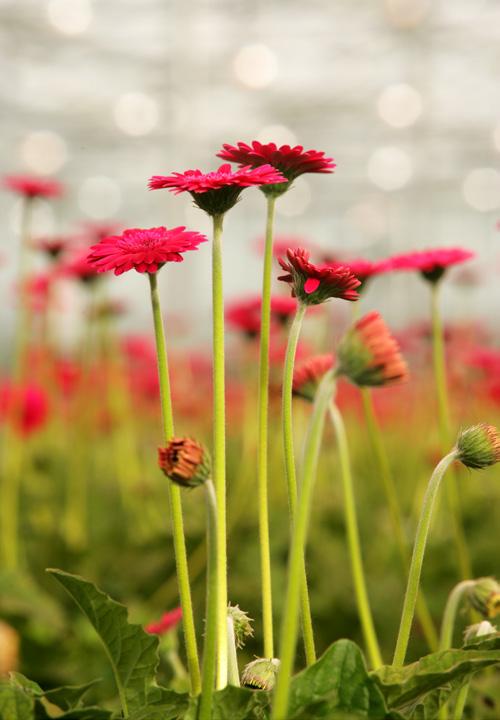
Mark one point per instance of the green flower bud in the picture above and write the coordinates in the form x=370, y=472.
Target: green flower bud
x=479, y=446
x=261, y=673
x=484, y=596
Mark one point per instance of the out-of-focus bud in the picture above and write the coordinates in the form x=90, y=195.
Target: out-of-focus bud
x=242, y=624
x=369, y=355
x=261, y=674
x=479, y=446
x=185, y=462
x=478, y=630
x=484, y=596
x=307, y=376
x=9, y=649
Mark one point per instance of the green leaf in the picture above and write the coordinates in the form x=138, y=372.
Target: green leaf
x=162, y=704
x=235, y=703
x=88, y=713
x=68, y=697
x=132, y=652
x=337, y=686
x=403, y=686
x=15, y=703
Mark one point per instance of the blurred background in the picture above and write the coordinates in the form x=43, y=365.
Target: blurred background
x=402, y=93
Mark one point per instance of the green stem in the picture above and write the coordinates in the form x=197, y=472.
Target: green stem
x=233, y=673
x=289, y=453
x=351, y=521
x=439, y=363
x=458, y=712
x=289, y=626
x=392, y=500
x=262, y=468
x=448, y=626
x=418, y=558
x=219, y=448
x=175, y=496
x=23, y=323
x=210, y=644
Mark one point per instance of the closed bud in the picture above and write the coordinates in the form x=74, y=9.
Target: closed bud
x=484, y=596
x=261, y=674
x=185, y=462
x=242, y=624
x=479, y=446
x=369, y=355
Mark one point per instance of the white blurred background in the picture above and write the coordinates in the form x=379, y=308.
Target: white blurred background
x=404, y=94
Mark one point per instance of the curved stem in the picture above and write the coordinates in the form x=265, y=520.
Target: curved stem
x=458, y=711
x=418, y=558
x=448, y=626
x=289, y=626
x=209, y=649
x=439, y=363
x=289, y=453
x=392, y=500
x=219, y=448
x=175, y=496
x=265, y=325
x=351, y=520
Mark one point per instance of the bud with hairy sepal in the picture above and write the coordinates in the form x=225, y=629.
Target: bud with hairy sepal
x=479, y=630
x=479, y=446
x=369, y=355
x=242, y=624
x=185, y=462
x=261, y=674
x=484, y=596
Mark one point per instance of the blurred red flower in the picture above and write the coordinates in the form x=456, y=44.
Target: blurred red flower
x=431, y=263
x=31, y=186
x=26, y=404
x=53, y=246
x=143, y=250
x=167, y=621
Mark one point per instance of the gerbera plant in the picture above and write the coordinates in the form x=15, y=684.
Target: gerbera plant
x=291, y=162
x=147, y=251
x=433, y=265
x=216, y=193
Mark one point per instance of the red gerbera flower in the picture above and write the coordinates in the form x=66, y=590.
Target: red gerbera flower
x=308, y=374
x=312, y=284
x=430, y=263
x=290, y=161
x=369, y=354
x=143, y=250
x=167, y=621
x=31, y=186
x=216, y=192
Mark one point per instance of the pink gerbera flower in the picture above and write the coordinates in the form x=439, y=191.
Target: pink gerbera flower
x=26, y=404
x=308, y=374
x=312, y=284
x=216, y=192
x=290, y=161
x=245, y=315
x=432, y=264
x=143, y=250
x=31, y=186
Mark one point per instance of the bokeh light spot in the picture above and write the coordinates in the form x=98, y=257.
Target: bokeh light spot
x=255, y=66
x=136, y=113
x=390, y=168
x=400, y=105
x=481, y=189
x=44, y=152
x=70, y=17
